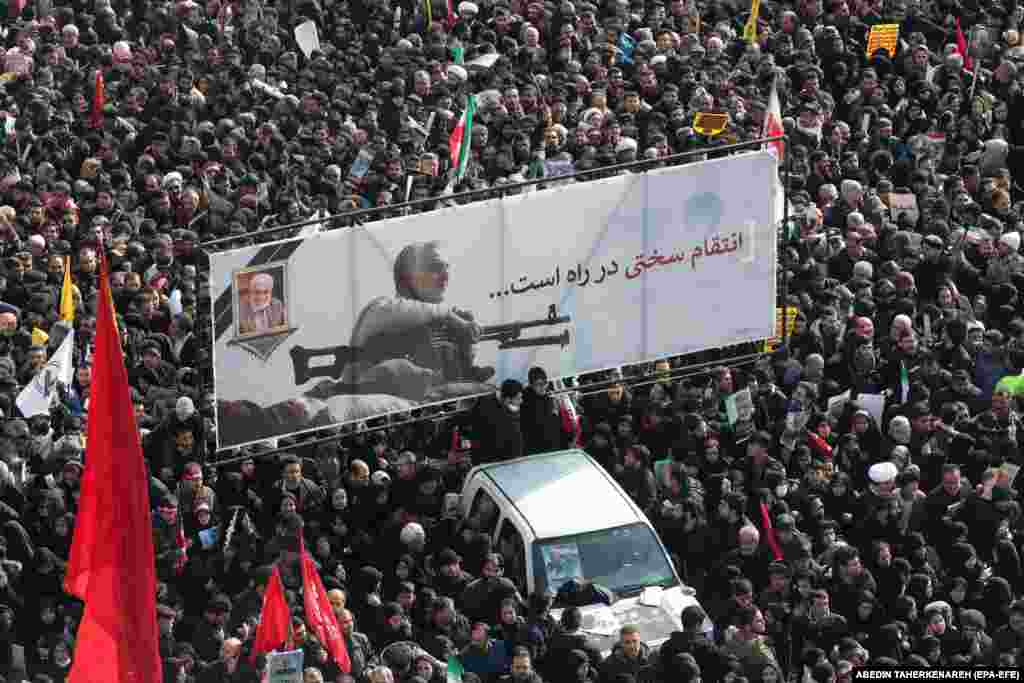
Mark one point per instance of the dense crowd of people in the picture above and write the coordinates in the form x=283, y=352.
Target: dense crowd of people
x=864, y=515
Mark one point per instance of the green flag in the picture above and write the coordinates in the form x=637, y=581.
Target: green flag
x=730, y=409
x=7, y=132
x=904, y=383
x=455, y=670
x=1014, y=384
x=461, y=139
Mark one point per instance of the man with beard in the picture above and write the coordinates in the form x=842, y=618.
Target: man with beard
x=153, y=371
x=308, y=495
x=260, y=312
x=808, y=124
x=748, y=642
x=482, y=597
x=542, y=426
x=496, y=422
x=636, y=477
x=1001, y=426
x=411, y=344
x=521, y=668
x=724, y=530
x=841, y=265
x=821, y=172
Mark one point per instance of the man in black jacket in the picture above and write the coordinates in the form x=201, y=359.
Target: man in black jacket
x=542, y=422
x=571, y=638
x=630, y=656
x=694, y=641
x=496, y=422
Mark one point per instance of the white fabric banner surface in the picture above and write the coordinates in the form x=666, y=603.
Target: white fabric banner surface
x=352, y=323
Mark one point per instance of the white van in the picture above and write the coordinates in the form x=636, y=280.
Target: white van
x=560, y=516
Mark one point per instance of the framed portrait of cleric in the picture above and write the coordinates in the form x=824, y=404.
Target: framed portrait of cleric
x=261, y=301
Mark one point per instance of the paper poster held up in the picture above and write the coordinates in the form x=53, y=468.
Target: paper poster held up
x=285, y=667
x=308, y=38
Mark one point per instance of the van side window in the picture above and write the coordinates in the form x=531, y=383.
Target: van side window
x=512, y=548
x=486, y=510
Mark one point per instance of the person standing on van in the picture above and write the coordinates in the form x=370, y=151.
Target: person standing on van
x=637, y=479
x=483, y=597
x=542, y=421
x=497, y=425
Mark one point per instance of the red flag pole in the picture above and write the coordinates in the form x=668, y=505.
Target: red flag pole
x=319, y=614
x=99, y=100
x=275, y=627
x=112, y=565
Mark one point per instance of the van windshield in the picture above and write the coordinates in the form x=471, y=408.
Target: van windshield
x=625, y=560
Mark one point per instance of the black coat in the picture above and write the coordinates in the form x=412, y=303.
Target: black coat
x=498, y=432
x=555, y=662
x=542, y=423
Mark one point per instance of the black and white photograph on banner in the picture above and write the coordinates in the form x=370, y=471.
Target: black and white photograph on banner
x=422, y=309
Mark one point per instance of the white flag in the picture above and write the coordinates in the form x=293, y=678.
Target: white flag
x=174, y=303
x=314, y=228
x=39, y=394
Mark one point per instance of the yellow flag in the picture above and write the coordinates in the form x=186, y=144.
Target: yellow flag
x=750, y=30
x=710, y=123
x=67, y=298
x=39, y=337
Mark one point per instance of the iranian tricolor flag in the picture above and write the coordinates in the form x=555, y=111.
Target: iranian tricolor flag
x=773, y=123
x=7, y=128
x=12, y=9
x=462, y=138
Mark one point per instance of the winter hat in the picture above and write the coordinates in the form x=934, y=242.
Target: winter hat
x=1011, y=240
x=184, y=408
x=882, y=472
x=411, y=533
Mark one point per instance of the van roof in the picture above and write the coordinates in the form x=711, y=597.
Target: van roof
x=563, y=493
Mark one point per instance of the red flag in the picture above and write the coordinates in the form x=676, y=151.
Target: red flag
x=769, y=532
x=319, y=615
x=571, y=423
x=773, y=123
x=274, y=628
x=112, y=566
x=99, y=100
x=961, y=47
x=15, y=8
x=182, y=543
x=459, y=445
x=451, y=19
x=819, y=445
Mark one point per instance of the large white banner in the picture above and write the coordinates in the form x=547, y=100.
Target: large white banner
x=354, y=323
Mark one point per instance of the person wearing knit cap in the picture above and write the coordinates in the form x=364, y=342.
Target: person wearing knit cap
x=192, y=491
x=1008, y=261
x=413, y=537
x=483, y=655
x=881, y=487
